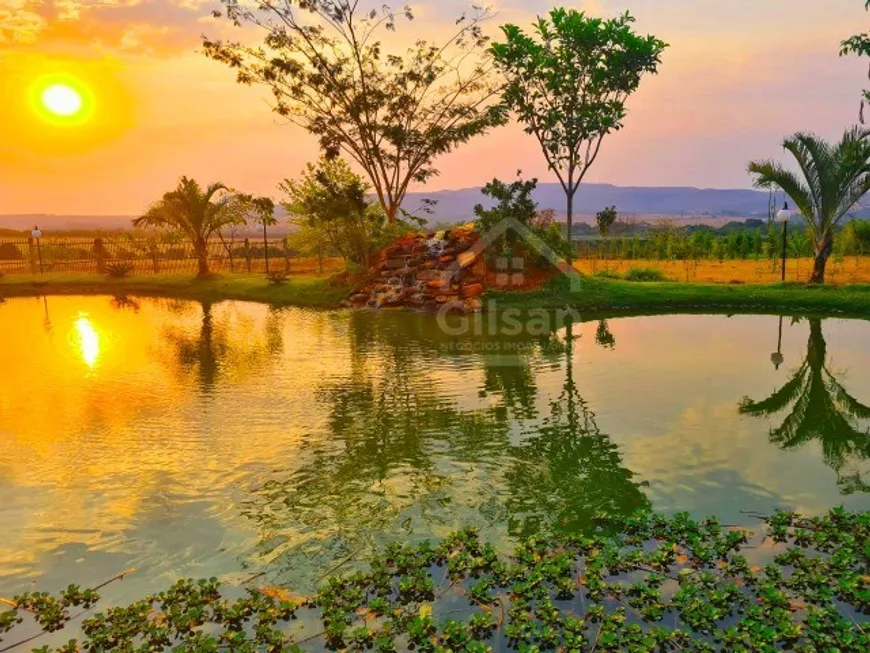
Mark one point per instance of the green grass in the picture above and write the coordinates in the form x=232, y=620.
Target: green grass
x=309, y=292
x=605, y=297
x=597, y=296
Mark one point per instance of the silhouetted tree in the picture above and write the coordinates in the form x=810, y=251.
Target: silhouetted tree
x=393, y=114
x=195, y=212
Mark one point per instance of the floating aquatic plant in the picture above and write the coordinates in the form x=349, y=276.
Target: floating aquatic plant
x=649, y=583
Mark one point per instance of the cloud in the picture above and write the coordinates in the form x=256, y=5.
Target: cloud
x=153, y=27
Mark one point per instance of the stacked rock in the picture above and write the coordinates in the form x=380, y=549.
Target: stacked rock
x=441, y=271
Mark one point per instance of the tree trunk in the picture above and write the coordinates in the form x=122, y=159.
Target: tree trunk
x=266, y=247
x=392, y=213
x=201, y=249
x=569, y=236
x=823, y=252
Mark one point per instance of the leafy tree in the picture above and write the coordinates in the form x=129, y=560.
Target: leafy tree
x=821, y=408
x=194, y=211
x=393, y=114
x=834, y=178
x=859, y=44
x=262, y=212
x=857, y=234
x=605, y=219
x=512, y=202
x=332, y=199
x=309, y=241
x=568, y=83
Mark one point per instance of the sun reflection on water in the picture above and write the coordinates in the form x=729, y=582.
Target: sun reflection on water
x=87, y=341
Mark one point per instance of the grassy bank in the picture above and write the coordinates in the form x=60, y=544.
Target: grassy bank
x=308, y=292
x=597, y=296
x=611, y=297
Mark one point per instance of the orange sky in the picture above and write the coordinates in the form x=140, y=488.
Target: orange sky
x=740, y=74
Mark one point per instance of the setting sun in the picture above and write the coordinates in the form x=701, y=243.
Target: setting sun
x=61, y=100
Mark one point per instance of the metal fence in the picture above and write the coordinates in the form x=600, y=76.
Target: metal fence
x=62, y=254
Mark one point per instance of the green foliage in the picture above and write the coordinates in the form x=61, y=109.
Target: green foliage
x=833, y=179
x=331, y=202
x=568, y=84
x=512, y=202
x=859, y=44
x=392, y=113
x=608, y=274
x=855, y=237
x=644, y=274
x=605, y=219
x=646, y=583
x=194, y=211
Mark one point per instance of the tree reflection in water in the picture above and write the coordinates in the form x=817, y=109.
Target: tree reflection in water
x=567, y=472
x=820, y=409
x=211, y=349
x=399, y=457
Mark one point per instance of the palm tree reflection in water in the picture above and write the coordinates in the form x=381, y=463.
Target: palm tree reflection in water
x=821, y=409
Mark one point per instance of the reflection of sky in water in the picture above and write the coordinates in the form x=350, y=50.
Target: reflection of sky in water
x=216, y=440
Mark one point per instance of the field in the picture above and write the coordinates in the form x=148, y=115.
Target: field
x=852, y=269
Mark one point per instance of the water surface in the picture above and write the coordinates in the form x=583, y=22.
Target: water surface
x=191, y=440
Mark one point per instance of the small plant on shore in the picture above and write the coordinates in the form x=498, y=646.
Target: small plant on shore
x=644, y=275
x=608, y=274
x=277, y=278
x=120, y=270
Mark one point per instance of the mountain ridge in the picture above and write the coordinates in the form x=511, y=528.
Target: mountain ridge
x=685, y=203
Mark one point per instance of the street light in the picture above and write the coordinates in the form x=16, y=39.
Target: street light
x=783, y=217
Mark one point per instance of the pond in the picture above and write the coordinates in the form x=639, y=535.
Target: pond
x=191, y=440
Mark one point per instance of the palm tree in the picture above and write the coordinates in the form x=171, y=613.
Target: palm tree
x=821, y=408
x=835, y=178
x=195, y=212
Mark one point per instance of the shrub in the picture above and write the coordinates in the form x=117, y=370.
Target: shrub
x=9, y=252
x=644, y=274
x=608, y=274
x=120, y=269
x=277, y=278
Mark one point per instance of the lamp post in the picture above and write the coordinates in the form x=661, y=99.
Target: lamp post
x=783, y=217
x=36, y=234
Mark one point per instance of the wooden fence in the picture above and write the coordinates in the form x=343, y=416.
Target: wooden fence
x=62, y=254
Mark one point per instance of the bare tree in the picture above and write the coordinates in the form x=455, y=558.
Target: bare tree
x=392, y=114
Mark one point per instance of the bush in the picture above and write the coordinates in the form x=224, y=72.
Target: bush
x=9, y=252
x=277, y=278
x=119, y=270
x=644, y=274
x=608, y=274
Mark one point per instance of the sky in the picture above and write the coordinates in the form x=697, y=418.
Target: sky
x=738, y=77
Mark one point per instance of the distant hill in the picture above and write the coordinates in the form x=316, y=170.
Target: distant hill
x=676, y=202
x=690, y=204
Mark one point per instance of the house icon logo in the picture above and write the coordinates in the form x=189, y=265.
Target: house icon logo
x=510, y=271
